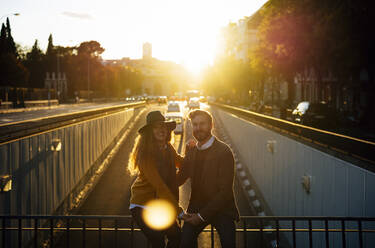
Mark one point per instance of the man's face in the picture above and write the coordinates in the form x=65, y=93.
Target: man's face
x=201, y=127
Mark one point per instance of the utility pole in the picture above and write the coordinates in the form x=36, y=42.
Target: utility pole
x=58, y=77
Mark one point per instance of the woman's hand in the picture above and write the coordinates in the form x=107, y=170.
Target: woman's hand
x=193, y=219
x=190, y=145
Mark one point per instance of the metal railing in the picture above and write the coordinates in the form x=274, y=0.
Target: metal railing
x=16, y=130
x=120, y=231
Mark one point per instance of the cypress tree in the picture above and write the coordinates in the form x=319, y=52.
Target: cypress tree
x=35, y=65
x=3, y=40
x=50, y=46
x=12, y=49
x=50, y=56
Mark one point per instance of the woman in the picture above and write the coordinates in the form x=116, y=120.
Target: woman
x=154, y=160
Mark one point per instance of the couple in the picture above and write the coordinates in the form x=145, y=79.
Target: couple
x=210, y=166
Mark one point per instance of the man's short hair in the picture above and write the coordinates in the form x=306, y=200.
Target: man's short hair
x=196, y=112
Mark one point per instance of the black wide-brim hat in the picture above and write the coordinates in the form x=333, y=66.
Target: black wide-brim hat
x=155, y=117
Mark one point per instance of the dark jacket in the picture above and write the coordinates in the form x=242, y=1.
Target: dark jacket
x=215, y=194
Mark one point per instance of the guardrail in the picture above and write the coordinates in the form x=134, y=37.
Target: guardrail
x=48, y=231
x=36, y=103
x=357, y=148
x=13, y=131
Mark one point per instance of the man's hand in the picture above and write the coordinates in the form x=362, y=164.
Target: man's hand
x=194, y=219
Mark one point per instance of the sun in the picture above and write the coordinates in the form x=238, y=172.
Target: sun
x=190, y=42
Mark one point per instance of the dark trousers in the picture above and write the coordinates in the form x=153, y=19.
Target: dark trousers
x=155, y=237
x=223, y=224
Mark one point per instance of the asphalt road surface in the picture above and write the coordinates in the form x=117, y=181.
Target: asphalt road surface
x=35, y=113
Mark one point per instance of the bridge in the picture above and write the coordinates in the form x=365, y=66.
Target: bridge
x=64, y=183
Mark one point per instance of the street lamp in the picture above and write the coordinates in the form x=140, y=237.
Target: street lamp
x=88, y=79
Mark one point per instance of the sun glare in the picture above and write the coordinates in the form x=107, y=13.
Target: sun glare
x=159, y=214
x=176, y=35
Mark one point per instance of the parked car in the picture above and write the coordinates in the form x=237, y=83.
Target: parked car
x=178, y=117
x=318, y=115
x=194, y=103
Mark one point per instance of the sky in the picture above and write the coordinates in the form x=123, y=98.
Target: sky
x=183, y=31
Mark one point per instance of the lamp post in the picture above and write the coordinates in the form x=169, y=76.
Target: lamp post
x=88, y=79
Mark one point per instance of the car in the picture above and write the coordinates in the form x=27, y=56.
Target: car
x=202, y=99
x=162, y=99
x=173, y=107
x=194, y=103
x=178, y=117
x=318, y=115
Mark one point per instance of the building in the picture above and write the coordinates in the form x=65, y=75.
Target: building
x=147, y=51
x=159, y=77
x=239, y=39
x=58, y=83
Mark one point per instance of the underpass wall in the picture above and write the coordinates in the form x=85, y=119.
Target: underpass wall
x=45, y=169
x=278, y=166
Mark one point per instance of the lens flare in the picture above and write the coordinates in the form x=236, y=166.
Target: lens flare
x=159, y=214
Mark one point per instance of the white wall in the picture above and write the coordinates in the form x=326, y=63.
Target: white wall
x=338, y=188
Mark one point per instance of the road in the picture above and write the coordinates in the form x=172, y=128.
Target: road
x=35, y=113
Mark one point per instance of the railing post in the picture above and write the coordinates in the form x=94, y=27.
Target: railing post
x=20, y=232
x=326, y=232
x=36, y=233
x=116, y=245
x=67, y=233
x=100, y=232
x=310, y=234
x=294, y=233
x=261, y=233
x=277, y=233
x=343, y=233
x=360, y=234
x=83, y=233
x=3, y=232
x=132, y=233
x=51, y=231
x=212, y=237
x=245, y=233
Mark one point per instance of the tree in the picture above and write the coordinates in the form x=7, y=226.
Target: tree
x=12, y=72
x=35, y=64
x=50, y=47
x=3, y=40
x=10, y=42
x=90, y=48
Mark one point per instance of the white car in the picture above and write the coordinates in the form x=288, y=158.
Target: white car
x=194, y=103
x=178, y=117
x=173, y=107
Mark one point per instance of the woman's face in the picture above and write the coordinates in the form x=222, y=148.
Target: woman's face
x=159, y=130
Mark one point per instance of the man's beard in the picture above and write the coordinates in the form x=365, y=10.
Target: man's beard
x=201, y=135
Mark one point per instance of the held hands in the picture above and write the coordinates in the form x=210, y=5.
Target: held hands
x=190, y=145
x=193, y=219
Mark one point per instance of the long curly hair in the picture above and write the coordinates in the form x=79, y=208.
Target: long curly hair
x=143, y=151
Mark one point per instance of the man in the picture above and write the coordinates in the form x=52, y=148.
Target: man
x=210, y=166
